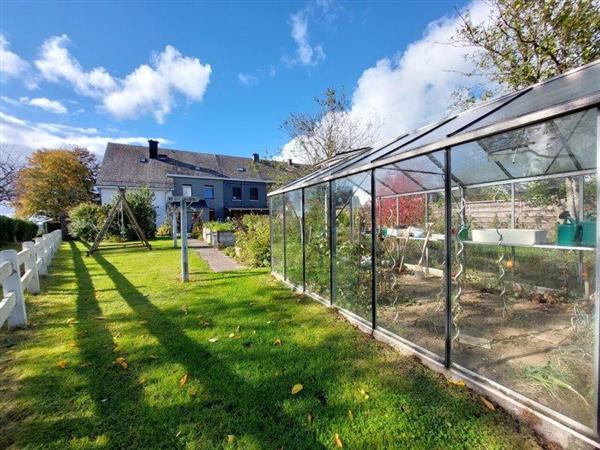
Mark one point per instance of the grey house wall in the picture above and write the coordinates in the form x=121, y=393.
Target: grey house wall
x=223, y=190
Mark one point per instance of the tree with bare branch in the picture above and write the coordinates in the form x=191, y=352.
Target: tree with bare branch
x=329, y=131
x=10, y=164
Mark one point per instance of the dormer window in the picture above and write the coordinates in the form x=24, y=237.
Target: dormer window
x=143, y=160
x=241, y=169
x=162, y=157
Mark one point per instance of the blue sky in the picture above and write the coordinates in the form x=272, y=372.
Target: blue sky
x=221, y=76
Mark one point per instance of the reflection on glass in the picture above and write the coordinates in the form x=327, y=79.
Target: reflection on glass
x=352, y=200
x=410, y=251
x=277, y=234
x=524, y=304
x=293, y=236
x=316, y=238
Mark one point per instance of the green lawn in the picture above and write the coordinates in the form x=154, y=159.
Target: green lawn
x=63, y=383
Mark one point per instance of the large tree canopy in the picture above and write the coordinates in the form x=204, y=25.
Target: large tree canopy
x=527, y=41
x=54, y=181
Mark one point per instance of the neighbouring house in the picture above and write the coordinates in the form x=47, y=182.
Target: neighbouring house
x=228, y=186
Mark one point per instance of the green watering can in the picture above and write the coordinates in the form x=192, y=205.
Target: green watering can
x=588, y=231
x=568, y=231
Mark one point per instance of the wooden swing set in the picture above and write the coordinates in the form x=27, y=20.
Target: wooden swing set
x=120, y=206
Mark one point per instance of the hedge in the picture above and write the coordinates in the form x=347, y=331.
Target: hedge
x=18, y=230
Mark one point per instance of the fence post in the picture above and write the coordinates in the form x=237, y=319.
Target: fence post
x=43, y=257
x=18, y=316
x=31, y=264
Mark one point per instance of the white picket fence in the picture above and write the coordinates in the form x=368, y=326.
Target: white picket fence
x=36, y=258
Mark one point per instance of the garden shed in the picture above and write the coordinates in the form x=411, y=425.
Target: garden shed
x=503, y=197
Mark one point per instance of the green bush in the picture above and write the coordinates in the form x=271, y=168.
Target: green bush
x=25, y=230
x=141, y=203
x=12, y=230
x=7, y=229
x=86, y=220
x=219, y=226
x=253, y=238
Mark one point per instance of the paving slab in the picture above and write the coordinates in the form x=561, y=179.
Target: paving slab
x=217, y=261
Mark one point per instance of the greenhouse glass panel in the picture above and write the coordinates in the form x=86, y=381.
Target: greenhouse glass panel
x=277, y=234
x=410, y=253
x=352, y=200
x=316, y=239
x=293, y=237
x=524, y=300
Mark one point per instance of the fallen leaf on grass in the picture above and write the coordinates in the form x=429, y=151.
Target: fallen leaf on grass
x=297, y=388
x=489, y=405
x=117, y=349
x=232, y=335
x=142, y=381
x=350, y=415
x=178, y=434
x=72, y=344
x=338, y=441
x=143, y=322
x=184, y=309
x=104, y=400
x=121, y=362
x=152, y=356
x=63, y=364
x=277, y=343
x=237, y=329
x=459, y=383
x=365, y=394
x=183, y=380
x=310, y=417
x=213, y=339
x=71, y=321
x=100, y=318
x=230, y=438
x=84, y=365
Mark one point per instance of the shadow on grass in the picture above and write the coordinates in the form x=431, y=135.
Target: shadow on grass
x=265, y=421
x=117, y=395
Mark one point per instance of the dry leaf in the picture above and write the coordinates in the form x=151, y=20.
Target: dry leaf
x=365, y=394
x=338, y=441
x=350, y=415
x=184, y=309
x=183, y=380
x=72, y=344
x=100, y=318
x=71, y=321
x=213, y=339
x=117, y=349
x=178, y=434
x=232, y=335
x=297, y=388
x=142, y=381
x=310, y=417
x=121, y=361
x=277, y=343
x=63, y=364
x=143, y=322
x=489, y=405
x=230, y=438
x=460, y=383
x=237, y=329
x=152, y=356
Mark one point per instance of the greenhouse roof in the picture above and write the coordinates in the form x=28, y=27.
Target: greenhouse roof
x=498, y=155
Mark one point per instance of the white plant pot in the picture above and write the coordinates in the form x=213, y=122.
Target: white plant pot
x=510, y=236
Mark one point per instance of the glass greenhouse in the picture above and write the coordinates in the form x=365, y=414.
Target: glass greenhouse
x=503, y=198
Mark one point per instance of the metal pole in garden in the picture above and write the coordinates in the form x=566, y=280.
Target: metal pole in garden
x=185, y=270
x=174, y=227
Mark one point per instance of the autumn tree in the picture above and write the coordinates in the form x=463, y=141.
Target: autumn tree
x=525, y=42
x=332, y=129
x=51, y=182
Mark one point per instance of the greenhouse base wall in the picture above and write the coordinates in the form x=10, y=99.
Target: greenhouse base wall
x=548, y=428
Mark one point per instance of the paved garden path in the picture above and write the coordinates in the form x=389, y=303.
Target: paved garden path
x=217, y=261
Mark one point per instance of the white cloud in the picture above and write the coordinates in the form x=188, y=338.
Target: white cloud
x=247, y=79
x=53, y=106
x=11, y=64
x=149, y=89
x=306, y=54
x=56, y=64
x=24, y=137
x=415, y=87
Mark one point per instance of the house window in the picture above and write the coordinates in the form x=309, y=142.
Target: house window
x=187, y=190
x=209, y=192
x=237, y=193
x=253, y=193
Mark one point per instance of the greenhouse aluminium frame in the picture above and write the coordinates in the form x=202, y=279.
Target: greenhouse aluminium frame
x=503, y=142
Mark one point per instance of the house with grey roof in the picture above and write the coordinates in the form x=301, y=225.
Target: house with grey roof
x=228, y=186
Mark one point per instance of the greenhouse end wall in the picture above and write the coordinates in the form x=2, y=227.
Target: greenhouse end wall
x=511, y=217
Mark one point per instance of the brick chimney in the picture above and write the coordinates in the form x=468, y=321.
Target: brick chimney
x=152, y=149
